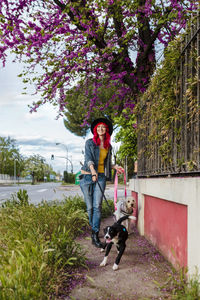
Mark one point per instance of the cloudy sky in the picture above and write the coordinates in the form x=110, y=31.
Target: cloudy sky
x=35, y=133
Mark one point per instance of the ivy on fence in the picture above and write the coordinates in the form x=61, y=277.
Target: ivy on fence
x=168, y=130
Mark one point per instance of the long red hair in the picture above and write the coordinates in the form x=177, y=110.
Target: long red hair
x=96, y=138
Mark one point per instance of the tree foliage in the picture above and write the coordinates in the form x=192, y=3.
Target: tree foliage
x=35, y=166
x=11, y=161
x=78, y=103
x=127, y=135
x=64, y=42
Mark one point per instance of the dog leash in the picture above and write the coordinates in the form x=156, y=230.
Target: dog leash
x=115, y=187
x=111, y=212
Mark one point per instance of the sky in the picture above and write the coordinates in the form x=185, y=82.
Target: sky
x=35, y=133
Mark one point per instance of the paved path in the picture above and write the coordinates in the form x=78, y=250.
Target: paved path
x=141, y=271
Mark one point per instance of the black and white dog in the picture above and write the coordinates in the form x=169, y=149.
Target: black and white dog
x=116, y=234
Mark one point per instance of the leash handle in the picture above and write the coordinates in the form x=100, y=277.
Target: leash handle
x=115, y=188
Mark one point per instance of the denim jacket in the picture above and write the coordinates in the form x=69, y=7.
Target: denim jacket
x=92, y=157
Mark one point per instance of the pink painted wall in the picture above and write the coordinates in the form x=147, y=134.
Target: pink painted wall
x=165, y=225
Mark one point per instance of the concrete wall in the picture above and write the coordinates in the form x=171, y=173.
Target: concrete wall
x=169, y=215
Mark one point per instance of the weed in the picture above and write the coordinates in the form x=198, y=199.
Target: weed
x=181, y=286
x=19, y=198
x=186, y=287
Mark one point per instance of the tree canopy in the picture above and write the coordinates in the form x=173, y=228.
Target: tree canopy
x=10, y=158
x=78, y=102
x=63, y=42
x=36, y=166
x=13, y=163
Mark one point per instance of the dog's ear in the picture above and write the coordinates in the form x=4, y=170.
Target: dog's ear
x=105, y=229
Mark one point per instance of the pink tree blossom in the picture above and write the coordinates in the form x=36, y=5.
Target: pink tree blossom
x=62, y=42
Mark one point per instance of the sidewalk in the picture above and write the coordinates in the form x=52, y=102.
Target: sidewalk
x=141, y=272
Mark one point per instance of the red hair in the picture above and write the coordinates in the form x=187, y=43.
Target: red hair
x=96, y=138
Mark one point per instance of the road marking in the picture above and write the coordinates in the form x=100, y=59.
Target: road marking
x=42, y=190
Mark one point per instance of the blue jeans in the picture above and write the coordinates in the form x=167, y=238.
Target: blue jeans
x=93, y=198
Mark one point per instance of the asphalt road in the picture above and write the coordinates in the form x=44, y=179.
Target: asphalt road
x=52, y=191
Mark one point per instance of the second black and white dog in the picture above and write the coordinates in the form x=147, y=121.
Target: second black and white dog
x=116, y=234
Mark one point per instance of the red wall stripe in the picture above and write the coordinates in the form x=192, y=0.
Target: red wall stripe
x=165, y=224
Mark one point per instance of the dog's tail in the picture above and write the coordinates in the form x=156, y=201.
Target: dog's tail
x=125, y=218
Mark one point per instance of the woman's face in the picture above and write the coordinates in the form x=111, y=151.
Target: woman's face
x=101, y=129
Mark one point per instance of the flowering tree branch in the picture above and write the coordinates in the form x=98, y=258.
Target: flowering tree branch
x=63, y=42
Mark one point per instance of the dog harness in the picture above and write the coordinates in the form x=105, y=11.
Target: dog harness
x=122, y=210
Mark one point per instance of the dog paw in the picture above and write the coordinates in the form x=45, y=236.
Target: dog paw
x=104, y=262
x=132, y=218
x=115, y=267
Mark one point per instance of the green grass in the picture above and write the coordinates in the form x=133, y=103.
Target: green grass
x=38, y=243
x=185, y=287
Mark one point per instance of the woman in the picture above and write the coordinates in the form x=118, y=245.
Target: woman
x=97, y=167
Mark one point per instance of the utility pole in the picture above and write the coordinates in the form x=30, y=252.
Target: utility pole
x=67, y=159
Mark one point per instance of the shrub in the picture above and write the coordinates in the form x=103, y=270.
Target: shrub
x=19, y=198
x=36, y=243
x=69, y=177
x=106, y=210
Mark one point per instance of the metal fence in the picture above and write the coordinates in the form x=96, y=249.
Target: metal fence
x=7, y=179
x=184, y=147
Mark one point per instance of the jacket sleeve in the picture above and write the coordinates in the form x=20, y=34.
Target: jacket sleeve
x=88, y=154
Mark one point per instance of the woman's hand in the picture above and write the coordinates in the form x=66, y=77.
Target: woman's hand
x=119, y=169
x=94, y=177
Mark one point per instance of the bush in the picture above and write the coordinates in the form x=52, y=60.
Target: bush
x=106, y=211
x=36, y=243
x=17, y=199
x=69, y=177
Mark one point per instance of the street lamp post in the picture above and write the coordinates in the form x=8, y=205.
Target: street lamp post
x=52, y=158
x=15, y=171
x=66, y=156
